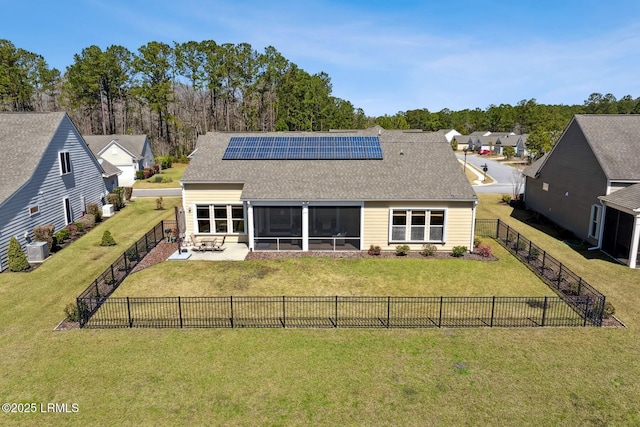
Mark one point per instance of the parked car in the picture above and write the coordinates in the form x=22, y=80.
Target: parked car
x=484, y=151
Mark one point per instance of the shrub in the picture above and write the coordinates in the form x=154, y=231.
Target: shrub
x=94, y=209
x=71, y=311
x=87, y=221
x=79, y=226
x=16, y=258
x=158, y=178
x=609, y=310
x=165, y=161
x=484, y=250
x=506, y=198
x=132, y=254
x=73, y=230
x=107, y=239
x=127, y=193
x=148, y=173
x=402, y=250
x=114, y=199
x=44, y=233
x=458, y=251
x=534, y=253
x=156, y=168
x=428, y=249
x=139, y=174
x=476, y=241
x=521, y=246
x=374, y=250
x=62, y=235
x=159, y=203
x=120, y=202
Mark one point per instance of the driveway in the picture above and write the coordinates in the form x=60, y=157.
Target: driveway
x=501, y=173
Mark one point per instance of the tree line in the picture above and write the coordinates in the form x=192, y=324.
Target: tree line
x=173, y=93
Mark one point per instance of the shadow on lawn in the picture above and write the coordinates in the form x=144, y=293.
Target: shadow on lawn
x=543, y=224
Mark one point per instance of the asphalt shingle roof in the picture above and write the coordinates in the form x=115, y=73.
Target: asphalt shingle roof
x=628, y=197
x=416, y=166
x=134, y=144
x=24, y=137
x=615, y=141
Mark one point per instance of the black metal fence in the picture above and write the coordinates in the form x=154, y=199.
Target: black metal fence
x=90, y=300
x=558, y=277
x=340, y=312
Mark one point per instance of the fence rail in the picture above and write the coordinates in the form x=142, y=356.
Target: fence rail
x=339, y=312
x=96, y=294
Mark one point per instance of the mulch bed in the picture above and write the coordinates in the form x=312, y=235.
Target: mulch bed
x=361, y=254
x=157, y=255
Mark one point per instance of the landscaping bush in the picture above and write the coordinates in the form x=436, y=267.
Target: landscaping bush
x=94, y=209
x=156, y=168
x=107, y=239
x=506, y=198
x=159, y=203
x=148, y=173
x=127, y=193
x=73, y=230
x=16, y=258
x=71, y=312
x=44, y=233
x=158, y=178
x=374, y=250
x=609, y=310
x=132, y=255
x=458, y=251
x=428, y=249
x=114, y=199
x=521, y=246
x=165, y=161
x=484, y=250
x=402, y=250
x=87, y=221
x=62, y=235
x=139, y=174
x=79, y=226
x=534, y=253
x=476, y=241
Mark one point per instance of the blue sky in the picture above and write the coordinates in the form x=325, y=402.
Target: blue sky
x=383, y=56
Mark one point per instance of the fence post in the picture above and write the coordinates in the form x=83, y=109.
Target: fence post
x=388, y=310
x=284, y=313
x=97, y=289
x=129, y=313
x=126, y=268
x=506, y=239
x=544, y=257
x=498, y=229
x=529, y=253
x=544, y=311
x=440, y=316
x=113, y=276
x=231, y=306
x=336, y=312
x=586, y=311
x=180, y=311
x=493, y=309
x=559, y=275
x=146, y=242
x=603, y=306
x=518, y=244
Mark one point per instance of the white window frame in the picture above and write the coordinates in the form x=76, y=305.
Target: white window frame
x=64, y=158
x=212, y=218
x=408, y=227
x=34, y=210
x=595, y=220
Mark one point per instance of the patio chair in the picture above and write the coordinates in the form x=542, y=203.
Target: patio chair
x=219, y=246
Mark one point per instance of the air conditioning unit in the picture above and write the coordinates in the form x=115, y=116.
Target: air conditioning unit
x=37, y=251
x=107, y=210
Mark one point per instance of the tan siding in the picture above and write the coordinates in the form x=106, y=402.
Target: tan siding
x=211, y=193
x=458, y=223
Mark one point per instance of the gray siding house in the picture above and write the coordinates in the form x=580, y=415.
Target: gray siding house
x=48, y=176
x=129, y=153
x=588, y=183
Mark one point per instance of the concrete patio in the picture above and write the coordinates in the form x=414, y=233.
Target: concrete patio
x=232, y=252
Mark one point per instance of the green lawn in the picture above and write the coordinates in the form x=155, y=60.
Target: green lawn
x=170, y=178
x=537, y=377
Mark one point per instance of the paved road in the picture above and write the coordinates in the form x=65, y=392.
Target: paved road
x=157, y=192
x=501, y=173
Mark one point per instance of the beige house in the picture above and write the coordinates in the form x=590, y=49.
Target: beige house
x=337, y=190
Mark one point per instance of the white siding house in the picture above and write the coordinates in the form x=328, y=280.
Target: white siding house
x=129, y=153
x=48, y=176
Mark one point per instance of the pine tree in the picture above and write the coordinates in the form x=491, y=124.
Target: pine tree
x=17, y=258
x=107, y=239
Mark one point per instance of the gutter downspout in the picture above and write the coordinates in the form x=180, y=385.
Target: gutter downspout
x=473, y=224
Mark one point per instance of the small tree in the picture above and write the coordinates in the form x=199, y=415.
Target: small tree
x=17, y=259
x=509, y=152
x=107, y=239
x=454, y=144
x=159, y=203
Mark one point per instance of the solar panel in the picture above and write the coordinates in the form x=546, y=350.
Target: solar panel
x=303, y=148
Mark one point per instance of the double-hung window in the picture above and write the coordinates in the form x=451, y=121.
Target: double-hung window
x=65, y=162
x=417, y=225
x=220, y=219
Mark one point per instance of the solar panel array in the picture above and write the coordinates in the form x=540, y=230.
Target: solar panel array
x=303, y=148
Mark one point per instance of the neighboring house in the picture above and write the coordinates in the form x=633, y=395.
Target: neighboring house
x=518, y=142
x=450, y=135
x=589, y=183
x=110, y=174
x=338, y=190
x=48, y=175
x=129, y=153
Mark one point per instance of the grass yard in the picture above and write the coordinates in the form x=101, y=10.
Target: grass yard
x=170, y=178
x=536, y=377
